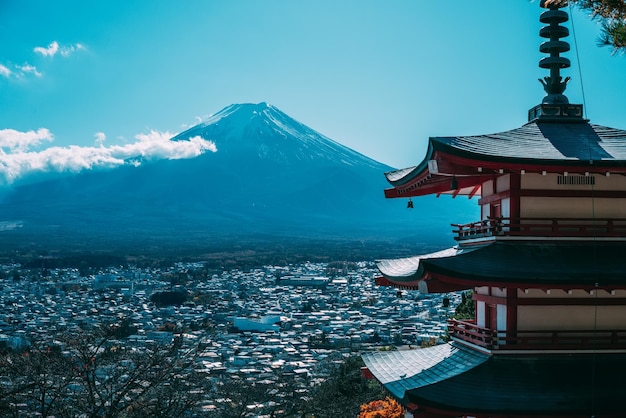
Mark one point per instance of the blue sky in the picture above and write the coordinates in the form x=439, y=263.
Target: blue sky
x=377, y=76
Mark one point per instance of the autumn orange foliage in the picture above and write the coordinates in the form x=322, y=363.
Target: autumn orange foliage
x=386, y=408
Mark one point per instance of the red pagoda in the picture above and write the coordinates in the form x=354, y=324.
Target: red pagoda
x=546, y=263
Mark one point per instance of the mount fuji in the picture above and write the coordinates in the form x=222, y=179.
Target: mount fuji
x=271, y=178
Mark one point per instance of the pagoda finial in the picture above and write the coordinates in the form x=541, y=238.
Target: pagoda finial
x=554, y=84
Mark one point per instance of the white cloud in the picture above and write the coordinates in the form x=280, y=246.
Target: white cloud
x=50, y=51
x=20, y=141
x=100, y=138
x=19, y=71
x=73, y=159
x=66, y=51
x=54, y=48
x=14, y=71
x=159, y=145
x=27, y=68
x=4, y=71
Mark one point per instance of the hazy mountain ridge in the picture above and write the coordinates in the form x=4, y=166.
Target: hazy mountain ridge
x=271, y=175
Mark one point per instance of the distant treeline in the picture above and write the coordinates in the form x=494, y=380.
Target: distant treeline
x=224, y=255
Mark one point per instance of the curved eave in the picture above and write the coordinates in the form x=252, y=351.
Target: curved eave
x=409, y=269
x=469, y=185
x=427, y=285
x=405, y=175
x=535, y=147
x=536, y=264
x=573, y=265
x=409, y=273
x=401, y=371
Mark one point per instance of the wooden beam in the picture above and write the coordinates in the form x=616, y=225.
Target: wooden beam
x=610, y=194
x=474, y=191
x=494, y=197
x=571, y=301
x=490, y=300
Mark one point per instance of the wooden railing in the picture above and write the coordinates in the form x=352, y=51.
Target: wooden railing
x=472, y=333
x=537, y=340
x=543, y=227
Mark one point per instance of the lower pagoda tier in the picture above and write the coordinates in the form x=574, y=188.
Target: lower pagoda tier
x=450, y=380
x=540, y=264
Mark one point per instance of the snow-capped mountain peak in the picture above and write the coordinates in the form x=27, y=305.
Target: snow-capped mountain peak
x=265, y=131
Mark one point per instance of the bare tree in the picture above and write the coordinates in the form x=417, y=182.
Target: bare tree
x=36, y=380
x=93, y=375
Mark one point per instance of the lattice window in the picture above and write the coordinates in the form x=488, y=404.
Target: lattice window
x=589, y=180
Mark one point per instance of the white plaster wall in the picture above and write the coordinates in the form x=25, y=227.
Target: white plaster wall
x=571, y=318
x=487, y=188
x=499, y=292
x=482, y=290
x=484, y=211
x=571, y=207
x=503, y=183
x=480, y=314
x=501, y=319
x=505, y=207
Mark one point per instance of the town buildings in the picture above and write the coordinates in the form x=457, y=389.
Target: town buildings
x=316, y=326
x=544, y=261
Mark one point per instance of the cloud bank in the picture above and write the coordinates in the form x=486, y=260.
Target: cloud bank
x=13, y=140
x=18, y=162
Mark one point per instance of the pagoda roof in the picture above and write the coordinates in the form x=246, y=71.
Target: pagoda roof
x=400, y=371
x=463, y=381
x=561, y=264
x=536, y=146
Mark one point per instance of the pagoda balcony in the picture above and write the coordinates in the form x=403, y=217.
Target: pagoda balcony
x=540, y=340
x=541, y=227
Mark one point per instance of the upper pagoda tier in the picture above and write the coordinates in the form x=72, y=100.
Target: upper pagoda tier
x=527, y=264
x=556, y=139
x=460, y=164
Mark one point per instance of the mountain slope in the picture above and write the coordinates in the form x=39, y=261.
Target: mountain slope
x=271, y=176
x=262, y=132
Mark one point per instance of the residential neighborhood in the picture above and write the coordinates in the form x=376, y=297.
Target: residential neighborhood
x=260, y=324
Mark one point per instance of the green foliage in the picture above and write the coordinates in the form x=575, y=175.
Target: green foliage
x=467, y=308
x=168, y=298
x=612, y=13
x=124, y=329
x=308, y=306
x=613, y=34
x=387, y=348
x=431, y=342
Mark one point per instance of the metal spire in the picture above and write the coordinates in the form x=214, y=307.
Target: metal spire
x=553, y=84
x=555, y=107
